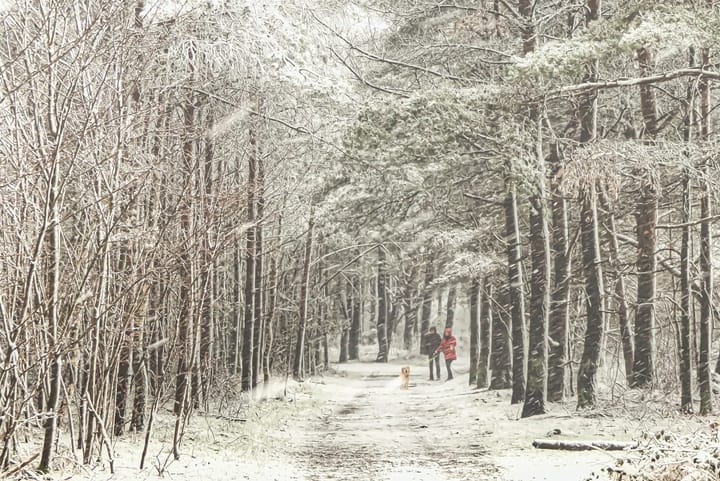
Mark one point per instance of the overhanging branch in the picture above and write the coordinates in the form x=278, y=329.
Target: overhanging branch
x=632, y=82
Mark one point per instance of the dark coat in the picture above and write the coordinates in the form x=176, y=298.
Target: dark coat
x=431, y=341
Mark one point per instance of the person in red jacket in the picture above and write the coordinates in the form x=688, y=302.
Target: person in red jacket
x=447, y=347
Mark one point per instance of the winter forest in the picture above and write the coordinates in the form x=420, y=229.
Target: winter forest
x=239, y=219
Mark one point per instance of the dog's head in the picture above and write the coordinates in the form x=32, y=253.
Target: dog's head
x=405, y=370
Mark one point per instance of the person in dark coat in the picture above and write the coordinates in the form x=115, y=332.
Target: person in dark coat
x=431, y=341
x=447, y=347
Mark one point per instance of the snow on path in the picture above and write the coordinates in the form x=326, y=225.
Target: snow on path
x=373, y=430
x=357, y=424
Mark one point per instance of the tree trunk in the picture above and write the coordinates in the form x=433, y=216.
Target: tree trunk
x=234, y=353
x=486, y=320
x=706, y=267
x=270, y=317
x=426, y=308
x=686, y=397
x=594, y=331
x=589, y=226
x=451, y=304
x=302, y=315
x=501, y=346
x=52, y=218
x=382, y=315
x=125, y=360
x=207, y=282
x=343, y=346
x=517, y=296
x=249, y=321
x=626, y=335
x=355, y=328
x=185, y=318
x=686, y=401
x=258, y=292
x=474, y=330
x=540, y=280
x=646, y=219
x=559, y=307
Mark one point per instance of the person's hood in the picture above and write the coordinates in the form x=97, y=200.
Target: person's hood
x=447, y=332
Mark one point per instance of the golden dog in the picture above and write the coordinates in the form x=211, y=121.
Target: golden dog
x=404, y=377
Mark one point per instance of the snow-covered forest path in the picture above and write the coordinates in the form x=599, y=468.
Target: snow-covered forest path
x=355, y=423
x=372, y=428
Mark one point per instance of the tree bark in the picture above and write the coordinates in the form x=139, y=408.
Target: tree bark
x=540, y=279
x=626, y=334
x=52, y=216
x=355, y=328
x=594, y=331
x=473, y=295
x=258, y=291
x=501, y=347
x=486, y=321
x=249, y=329
x=302, y=315
x=558, y=320
x=451, y=304
x=686, y=401
x=706, y=266
x=426, y=308
x=382, y=315
x=515, y=282
x=646, y=220
x=686, y=396
x=584, y=445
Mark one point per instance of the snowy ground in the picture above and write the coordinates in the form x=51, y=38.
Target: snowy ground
x=358, y=424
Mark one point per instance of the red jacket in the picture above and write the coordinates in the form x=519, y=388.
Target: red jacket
x=447, y=346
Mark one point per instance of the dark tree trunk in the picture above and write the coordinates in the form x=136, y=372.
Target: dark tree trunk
x=706, y=267
x=686, y=396
x=343, y=346
x=501, y=347
x=646, y=220
x=302, y=315
x=626, y=335
x=540, y=280
x=409, y=297
x=517, y=296
x=258, y=292
x=426, y=308
x=122, y=387
x=53, y=284
x=559, y=306
x=354, y=334
x=185, y=318
x=540, y=257
x=686, y=401
x=473, y=295
x=644, y=361
x=486, y=320
x=451, y=304
x=382, y=314
x=594, y=330
x=234, y=356
x=270, y=318
x=589, y=226
x=411, y=318
x=207, y=321
x=249, y=320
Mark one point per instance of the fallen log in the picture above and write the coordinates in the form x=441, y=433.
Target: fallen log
x=583, y=445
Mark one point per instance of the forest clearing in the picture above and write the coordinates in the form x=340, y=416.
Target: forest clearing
x=227, y=225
